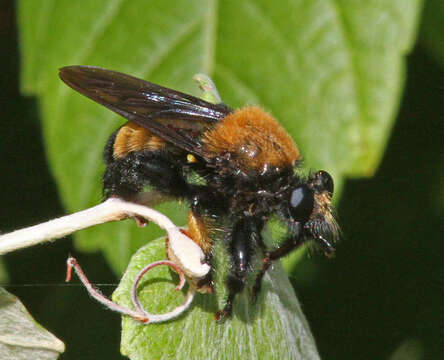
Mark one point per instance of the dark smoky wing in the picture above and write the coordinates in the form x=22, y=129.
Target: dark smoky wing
x=172, y=115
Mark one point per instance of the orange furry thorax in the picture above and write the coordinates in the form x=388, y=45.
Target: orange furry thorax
x=253, y=138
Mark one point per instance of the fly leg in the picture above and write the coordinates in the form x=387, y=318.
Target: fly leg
x=242, y=244
x=269, y=256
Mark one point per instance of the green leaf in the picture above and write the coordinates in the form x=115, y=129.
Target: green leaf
x=274, y=328
x=432, y=29
x=21, y=338
x=3, y=273
x=410, y=349
x=330, y=71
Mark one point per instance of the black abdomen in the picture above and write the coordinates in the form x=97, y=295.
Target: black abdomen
x=135, y=158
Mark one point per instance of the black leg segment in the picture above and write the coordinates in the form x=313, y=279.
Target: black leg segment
x=242, y=245
x=269, y=256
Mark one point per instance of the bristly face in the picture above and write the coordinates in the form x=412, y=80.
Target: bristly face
x=309, y=205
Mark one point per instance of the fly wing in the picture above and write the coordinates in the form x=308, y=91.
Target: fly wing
x=176, y=117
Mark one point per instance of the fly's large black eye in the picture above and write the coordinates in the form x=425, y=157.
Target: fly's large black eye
x=301, y=203
x=325, y=181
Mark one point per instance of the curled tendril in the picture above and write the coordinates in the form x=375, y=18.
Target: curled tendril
x=139, y=313
x=154, y=318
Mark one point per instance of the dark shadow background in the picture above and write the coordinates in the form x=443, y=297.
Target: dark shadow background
x=385, y=287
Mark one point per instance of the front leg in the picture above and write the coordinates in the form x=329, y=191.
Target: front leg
x=242, y=245
x=288, y=246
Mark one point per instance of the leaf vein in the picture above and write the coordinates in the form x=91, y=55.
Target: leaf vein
x=241, y=87
x=157, y=59
x=348, y=43
x=210, y=35
x=109, y=13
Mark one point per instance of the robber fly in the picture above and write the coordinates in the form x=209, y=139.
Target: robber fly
x=243, y=159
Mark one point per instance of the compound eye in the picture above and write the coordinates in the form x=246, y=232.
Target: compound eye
x=301, y=203
x=325, y=181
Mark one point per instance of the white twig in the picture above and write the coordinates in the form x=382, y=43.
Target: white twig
x=60, y=227
x=188, y=253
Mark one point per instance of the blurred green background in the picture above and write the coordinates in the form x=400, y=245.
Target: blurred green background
x=382, y=296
